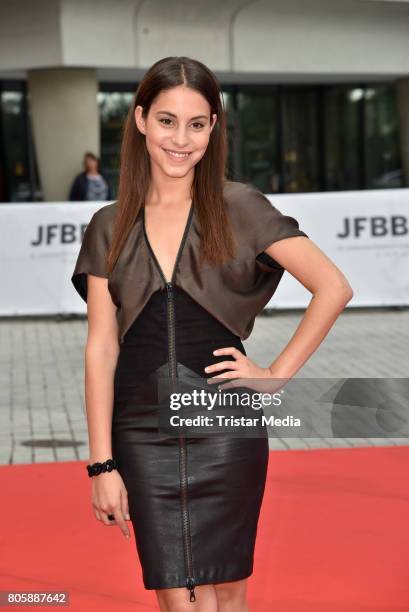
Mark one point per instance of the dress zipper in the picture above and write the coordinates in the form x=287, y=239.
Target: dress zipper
x=190, y=579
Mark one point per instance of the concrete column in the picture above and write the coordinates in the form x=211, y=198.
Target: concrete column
x=402, y=93
x=65, y=120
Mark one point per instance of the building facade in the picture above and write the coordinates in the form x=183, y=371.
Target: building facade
x=316, y=93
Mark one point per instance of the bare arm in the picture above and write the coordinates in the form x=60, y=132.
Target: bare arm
x=109, y=494
x=101, y=354
x=331, y=292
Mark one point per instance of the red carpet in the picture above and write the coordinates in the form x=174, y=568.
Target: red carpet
x=333, y=536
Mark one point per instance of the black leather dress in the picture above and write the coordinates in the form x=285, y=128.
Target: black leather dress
x=194, y=501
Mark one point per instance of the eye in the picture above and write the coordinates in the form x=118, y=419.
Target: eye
x=197, y=124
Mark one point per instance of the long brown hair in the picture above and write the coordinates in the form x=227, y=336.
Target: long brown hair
x=217, y=243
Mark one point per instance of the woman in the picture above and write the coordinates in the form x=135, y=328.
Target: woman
x=174, y=274
x=90, y=184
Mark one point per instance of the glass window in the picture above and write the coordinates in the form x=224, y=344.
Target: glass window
x=289, y=138
x=258, y=133
x=113, y=108
x=342, y=160
x=18, y=170
x=300, y=140
x=383, y=163
x=280, y=138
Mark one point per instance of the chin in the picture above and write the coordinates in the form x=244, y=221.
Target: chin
x=177, y=172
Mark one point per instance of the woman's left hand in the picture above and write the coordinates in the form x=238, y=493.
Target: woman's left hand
x=241, y=368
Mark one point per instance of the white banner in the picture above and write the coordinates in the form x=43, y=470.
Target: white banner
x=39, y=244
x=365, y=233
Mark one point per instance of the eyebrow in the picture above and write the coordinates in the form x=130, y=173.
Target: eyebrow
x=173, y=115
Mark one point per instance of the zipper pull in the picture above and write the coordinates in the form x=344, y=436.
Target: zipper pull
x=190, y=584
x=169, y=288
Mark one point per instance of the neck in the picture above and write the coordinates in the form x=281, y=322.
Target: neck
x=168, y=190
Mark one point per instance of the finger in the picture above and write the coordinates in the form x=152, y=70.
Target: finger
x=97, y=514
x=104, y=517
x=216, y=379
x=229, y=350
x=222, y=365
x=124, y=505
x=120, y=520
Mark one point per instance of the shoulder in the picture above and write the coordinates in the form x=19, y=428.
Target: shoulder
x=243, y=193
x=233, y=190
x=245, y=200
x=106, y=214
x=258, y=220
x=103, y=219
x=79, y=180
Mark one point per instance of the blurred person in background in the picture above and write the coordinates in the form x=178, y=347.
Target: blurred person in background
x=90, y=184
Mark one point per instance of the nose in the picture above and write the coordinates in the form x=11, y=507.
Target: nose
x=180, y=138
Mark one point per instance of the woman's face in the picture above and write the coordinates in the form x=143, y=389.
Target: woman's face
x=178, y=122
x=90, y=164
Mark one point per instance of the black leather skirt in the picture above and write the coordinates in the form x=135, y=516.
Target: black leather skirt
x=194, y=500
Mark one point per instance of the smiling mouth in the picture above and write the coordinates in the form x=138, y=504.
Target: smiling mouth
x=178, y=155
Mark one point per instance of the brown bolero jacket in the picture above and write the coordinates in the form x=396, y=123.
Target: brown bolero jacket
x=233, y=292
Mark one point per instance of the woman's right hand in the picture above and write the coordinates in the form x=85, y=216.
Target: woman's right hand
x=109, y=496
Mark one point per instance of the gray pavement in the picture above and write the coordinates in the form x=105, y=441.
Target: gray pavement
x=42, y=413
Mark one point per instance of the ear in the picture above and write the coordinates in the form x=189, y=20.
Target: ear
x=139, y=120
x=214, y=119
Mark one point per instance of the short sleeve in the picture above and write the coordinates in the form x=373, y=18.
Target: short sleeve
x=92, y=255
x=268, y=223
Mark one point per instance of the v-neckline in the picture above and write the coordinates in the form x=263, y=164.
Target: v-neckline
x=180, y=249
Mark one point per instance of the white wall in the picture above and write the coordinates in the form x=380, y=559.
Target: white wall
x=99, y=33
x=30, y=34
x=324, y=38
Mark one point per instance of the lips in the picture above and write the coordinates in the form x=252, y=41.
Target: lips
x=177, y=154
